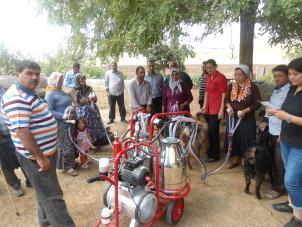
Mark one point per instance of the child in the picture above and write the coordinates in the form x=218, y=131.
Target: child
x=83, y=141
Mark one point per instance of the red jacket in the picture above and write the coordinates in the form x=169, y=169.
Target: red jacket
x=216, y=85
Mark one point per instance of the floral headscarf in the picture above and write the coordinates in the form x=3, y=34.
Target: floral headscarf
x=245, y=91
x=53, y=80
x=83, y=90
x=173, y=84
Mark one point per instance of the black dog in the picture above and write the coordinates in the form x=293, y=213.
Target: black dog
x=258, y=161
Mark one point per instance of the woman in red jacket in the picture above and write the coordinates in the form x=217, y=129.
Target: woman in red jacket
x=213, y=106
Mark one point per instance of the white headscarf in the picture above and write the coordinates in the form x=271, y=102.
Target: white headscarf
x=245, y=69
x=54, y=78
x=173, y=84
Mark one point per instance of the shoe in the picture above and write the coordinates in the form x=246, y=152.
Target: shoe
x=71, y=172
x=294, y=222
x=124, y=121
x=17, y=191
x=272, y=195
x=110, y=122
x=210, y=160
x=283, y=207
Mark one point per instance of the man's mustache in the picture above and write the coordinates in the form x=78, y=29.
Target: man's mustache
x=34, y=81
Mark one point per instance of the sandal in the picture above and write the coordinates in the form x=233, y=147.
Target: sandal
x=71, y=172
x=272, y=195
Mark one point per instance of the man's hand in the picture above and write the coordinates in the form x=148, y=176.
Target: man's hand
x=281, y=114
x=263, y=126
x=203, y=109
x=44, y=163
x=269, y=111
x=107, y=93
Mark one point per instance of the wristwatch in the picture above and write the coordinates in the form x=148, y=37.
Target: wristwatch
x=289, y=119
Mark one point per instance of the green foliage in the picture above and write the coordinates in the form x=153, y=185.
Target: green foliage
x=110, y=28
x=267, y=78
x=94, y=72
x=294, y=54
x=195, y=79
x=59, y=62
x=63, y=60
x=282, y=20
x=8, y=60
x=163, y=54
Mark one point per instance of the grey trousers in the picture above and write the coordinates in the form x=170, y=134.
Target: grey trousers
x=10, y=177
x=52, y=209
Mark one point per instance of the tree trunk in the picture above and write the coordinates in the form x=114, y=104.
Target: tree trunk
x=247, y=28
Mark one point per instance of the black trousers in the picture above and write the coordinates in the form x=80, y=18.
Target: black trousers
x=156, y=105
x=278, y=166
x=121, y=105
x=214, y=140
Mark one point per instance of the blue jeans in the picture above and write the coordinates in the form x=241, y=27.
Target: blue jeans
x=292, y=158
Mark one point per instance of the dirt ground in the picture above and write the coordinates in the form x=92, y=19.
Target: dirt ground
x=219, y=202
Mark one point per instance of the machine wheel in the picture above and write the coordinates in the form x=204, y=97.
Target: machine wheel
x=175, y=210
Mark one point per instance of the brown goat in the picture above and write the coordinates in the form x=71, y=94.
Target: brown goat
x=201, y=141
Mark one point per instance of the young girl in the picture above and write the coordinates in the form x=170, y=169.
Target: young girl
x=83, y=141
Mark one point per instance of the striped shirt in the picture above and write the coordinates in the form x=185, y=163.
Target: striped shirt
x=23, y=109
x=202, y=87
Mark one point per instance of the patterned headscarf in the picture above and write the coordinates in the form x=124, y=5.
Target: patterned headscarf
x=245, y=91
x=173, y=84
x=53, y=80
x=83, y=90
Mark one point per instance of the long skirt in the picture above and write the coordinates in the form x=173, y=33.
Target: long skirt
x=66, y=154
x=94, y=125
x=244, y=136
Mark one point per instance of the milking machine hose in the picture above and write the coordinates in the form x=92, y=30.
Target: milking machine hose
x=93, y=179
x=232, y=128
x=154, y=139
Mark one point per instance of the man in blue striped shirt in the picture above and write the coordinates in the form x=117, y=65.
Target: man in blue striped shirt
x=34, y=133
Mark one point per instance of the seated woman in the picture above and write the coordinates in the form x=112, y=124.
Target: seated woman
x=176, y=95
x=59, y=103
x=84, y=101
x=241, y=102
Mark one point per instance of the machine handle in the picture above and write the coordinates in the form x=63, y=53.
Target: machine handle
x=93, y=179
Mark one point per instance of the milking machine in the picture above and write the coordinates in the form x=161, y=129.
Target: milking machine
x=147, y=176
x=146, y=181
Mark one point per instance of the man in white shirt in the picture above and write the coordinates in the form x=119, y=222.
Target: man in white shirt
x=140, y=91
x=114, y=85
